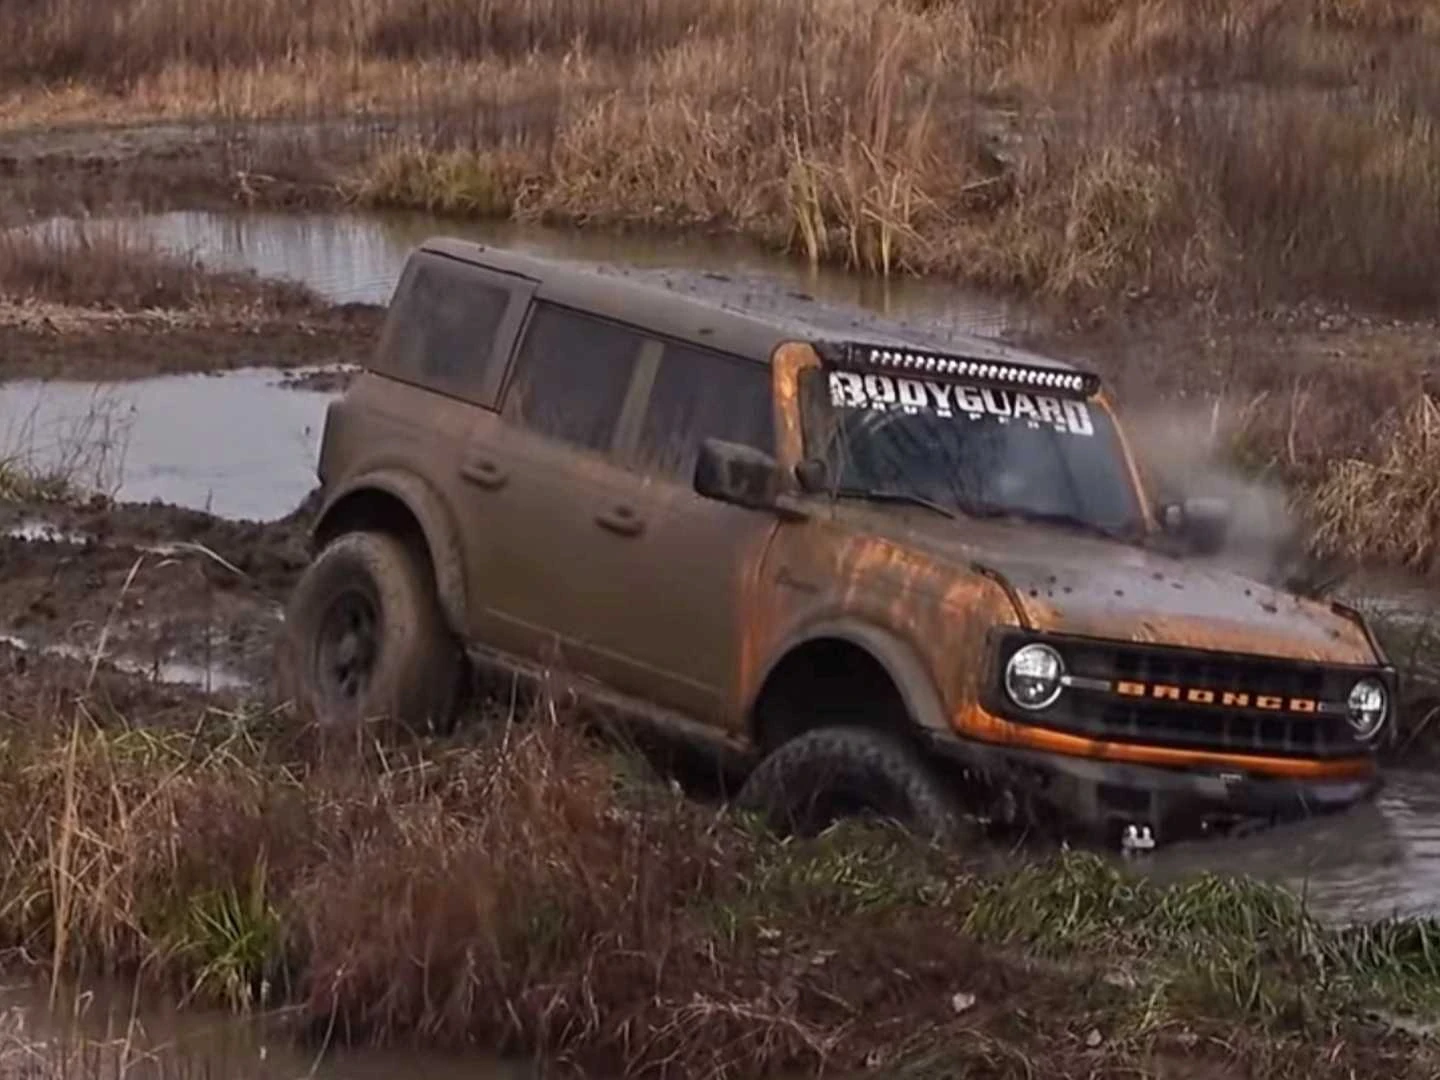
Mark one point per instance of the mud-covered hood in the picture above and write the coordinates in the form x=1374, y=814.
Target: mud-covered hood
x=1067, y=582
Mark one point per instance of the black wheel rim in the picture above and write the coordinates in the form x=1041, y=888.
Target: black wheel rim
x=348, y=646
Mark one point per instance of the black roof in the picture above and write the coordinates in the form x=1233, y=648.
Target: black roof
x=713, y=310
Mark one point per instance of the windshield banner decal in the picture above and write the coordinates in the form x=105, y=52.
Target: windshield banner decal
x=883, y=393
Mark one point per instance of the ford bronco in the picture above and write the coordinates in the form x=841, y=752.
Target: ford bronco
x=891, y=577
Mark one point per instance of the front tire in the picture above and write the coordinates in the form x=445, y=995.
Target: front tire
x=365, y=639
x=815, y=779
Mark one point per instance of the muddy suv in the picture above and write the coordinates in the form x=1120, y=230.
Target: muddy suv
x=888, y=576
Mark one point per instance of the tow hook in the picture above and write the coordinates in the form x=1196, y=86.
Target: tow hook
x=1136, y=838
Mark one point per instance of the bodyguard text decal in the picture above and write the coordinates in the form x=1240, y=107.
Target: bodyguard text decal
x=883, y=393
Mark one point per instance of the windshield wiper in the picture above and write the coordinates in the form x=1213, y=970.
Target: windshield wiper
x=1047, y=517
x=880, y=495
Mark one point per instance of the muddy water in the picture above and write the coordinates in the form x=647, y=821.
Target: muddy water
x=242, y=446
x=1372, y=862
x=357, y=257
x=238, y=445
x=103, y=1031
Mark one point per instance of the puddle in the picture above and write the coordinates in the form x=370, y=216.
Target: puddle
x=1369, y=863
x=240, y=444
x=243, y=444
x=357, y=258
x=213, y=678
x=103, y=1032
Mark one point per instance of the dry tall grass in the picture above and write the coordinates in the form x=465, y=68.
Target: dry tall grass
x=1386, y=505
x=1061, y=146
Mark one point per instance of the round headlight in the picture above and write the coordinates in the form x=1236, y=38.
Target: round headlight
x=1032, y=677
x=1367, y=708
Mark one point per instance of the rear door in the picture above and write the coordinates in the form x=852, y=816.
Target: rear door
x=549, y=492
x=445, y=349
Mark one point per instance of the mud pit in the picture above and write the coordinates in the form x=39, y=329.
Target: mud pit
x=171, y=595
x=191, y=599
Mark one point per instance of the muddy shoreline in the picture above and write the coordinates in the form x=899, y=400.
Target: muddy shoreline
x=131, y=168
x=175, y=593
x=104, y=350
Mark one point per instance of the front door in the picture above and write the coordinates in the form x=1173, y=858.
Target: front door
x=601, y=558
x=685, y=566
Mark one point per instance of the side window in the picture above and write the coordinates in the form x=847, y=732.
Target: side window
x=698, y=395
x=442, y=327
x=572, y=376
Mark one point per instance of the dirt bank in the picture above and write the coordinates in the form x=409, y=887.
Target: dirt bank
x=91, y=169
x=39, y=345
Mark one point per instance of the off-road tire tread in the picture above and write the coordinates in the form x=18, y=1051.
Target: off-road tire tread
x=881, y=763
x=418, y=680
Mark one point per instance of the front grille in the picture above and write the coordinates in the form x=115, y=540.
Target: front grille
x=1103, y=713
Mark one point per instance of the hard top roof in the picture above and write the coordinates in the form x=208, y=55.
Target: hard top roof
x=715, y=311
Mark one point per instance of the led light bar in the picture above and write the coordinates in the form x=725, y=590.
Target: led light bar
x=1006, y=372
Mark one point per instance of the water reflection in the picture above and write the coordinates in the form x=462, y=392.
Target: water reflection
x=1375, y=861
x=357, y=257
x=239, y=444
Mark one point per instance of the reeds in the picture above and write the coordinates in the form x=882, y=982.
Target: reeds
x=1078, y=150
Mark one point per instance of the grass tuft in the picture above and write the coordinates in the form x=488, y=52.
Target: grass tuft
x=1388, y=508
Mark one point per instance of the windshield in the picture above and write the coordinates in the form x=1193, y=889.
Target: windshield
x=977, y=451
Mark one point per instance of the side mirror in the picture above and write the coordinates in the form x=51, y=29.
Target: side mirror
x=742, y=475
x=813, y=475
x=1203, y=524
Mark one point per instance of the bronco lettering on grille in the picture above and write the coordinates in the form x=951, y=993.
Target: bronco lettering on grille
x=1233, y=699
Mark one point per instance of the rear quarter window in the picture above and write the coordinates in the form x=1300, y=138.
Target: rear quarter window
x=450, y=326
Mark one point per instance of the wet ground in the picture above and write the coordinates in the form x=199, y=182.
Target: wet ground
x=169, y=594
x=182, y=595
x=104, y=1031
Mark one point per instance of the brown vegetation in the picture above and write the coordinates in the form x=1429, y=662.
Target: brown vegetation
x=529, y=892
x=1331, y=411
x=1059, y=146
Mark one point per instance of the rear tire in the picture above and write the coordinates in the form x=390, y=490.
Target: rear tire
x=365, y=639
x=815, y=779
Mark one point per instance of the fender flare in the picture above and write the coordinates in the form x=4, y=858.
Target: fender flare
x=437, y=525
x=898, y=659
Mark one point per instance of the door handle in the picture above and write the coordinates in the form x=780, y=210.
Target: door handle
x=620, y=519
x=485, y=472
